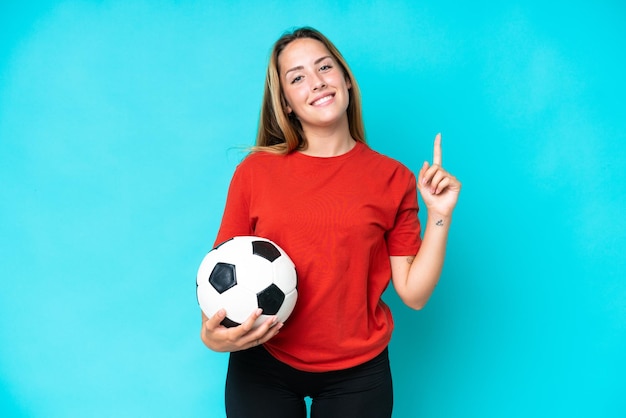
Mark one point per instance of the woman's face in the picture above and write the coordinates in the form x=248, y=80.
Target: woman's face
x=313, y=84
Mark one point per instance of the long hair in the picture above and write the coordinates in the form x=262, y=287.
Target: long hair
x=281, y=133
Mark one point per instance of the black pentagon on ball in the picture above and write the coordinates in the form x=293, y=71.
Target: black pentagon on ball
x=270, y=299
x=266, y=250
x=223, y=277
x=229, y=323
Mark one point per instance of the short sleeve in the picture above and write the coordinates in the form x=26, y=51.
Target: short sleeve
x=236, y=219
x=404, y=238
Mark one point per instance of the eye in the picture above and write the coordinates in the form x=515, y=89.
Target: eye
x=296, y=79
x=326, y=67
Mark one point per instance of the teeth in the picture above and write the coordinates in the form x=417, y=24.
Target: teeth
x=322, y=100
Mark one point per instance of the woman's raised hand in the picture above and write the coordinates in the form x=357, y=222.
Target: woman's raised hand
x=439, y=189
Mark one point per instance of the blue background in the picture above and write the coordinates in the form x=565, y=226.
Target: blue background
x=121, y=123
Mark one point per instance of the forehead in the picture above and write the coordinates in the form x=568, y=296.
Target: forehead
x=301, y=52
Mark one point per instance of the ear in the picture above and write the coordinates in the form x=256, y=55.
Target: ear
x=286, y=106
x=348, y=83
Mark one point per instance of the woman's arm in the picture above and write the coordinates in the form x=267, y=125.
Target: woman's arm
x=415, y=277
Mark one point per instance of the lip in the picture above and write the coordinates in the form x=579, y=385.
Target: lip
x=328, y=96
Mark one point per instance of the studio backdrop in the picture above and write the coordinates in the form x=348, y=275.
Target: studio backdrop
x=121, y=123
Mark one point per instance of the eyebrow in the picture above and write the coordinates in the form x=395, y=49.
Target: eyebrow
x=300, y=67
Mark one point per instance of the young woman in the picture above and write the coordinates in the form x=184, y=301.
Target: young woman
x=347, y=216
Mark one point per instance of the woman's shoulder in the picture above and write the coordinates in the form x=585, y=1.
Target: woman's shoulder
x=260, y=157
x=384, y=161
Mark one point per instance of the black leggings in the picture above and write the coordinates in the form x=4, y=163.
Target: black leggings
x=259, y=386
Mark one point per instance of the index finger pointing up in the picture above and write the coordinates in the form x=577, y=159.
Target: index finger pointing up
x=437, y=150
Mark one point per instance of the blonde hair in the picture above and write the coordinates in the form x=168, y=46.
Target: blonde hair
x=282, y=133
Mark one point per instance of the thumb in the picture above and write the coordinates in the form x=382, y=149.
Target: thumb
x=215, y=321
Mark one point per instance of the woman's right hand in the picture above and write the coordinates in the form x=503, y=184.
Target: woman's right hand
x=219, y=338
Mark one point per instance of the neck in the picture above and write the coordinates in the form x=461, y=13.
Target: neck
x=328, y=142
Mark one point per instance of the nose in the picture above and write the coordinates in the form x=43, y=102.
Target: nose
x=319, y=84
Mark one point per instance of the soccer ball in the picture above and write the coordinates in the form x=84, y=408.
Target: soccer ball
x=243, y=274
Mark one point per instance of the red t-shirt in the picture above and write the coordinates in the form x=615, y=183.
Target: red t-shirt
x=339, y=219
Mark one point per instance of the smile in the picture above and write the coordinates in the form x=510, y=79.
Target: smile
x=322, y=100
